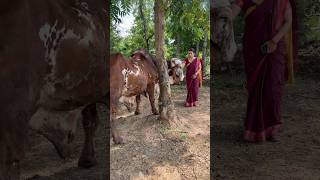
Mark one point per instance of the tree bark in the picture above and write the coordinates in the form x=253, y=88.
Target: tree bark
x=204, y=54
x=197, y=49
x=178, y=46
x=144, y=22
x=166, y=106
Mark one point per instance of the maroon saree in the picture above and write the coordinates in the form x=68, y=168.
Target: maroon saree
x=192, y=84
x=266, y=74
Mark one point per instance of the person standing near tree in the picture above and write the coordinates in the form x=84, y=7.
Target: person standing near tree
x=269, y=50
x=193, y=78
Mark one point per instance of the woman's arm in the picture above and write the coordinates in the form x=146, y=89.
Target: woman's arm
x=286, y=26
x=272, y=44
x=197, y=73
x=199, y=70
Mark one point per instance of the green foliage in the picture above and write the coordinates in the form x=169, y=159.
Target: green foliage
x=189, y=21
x=118, y=9
x=186, y=20
x=309, y=21
x=135, y=39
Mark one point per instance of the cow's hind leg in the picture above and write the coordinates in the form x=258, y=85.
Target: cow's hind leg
x=90, y=123
x=150, y=91
x=138, y=100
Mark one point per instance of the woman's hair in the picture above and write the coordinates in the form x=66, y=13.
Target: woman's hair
x=191, y=49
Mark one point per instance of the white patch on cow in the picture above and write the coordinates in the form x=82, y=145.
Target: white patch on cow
x=84, y=5
x=86, y=16
x=138, y=70
x=88, y=37
x=126, y=73
x=70, y=35
x=50, y=43
x=52, y=36
x=125, y=78
x=46, y=32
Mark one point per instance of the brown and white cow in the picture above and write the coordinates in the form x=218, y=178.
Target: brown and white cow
x=222, y=37
x=175, y=71
x=53, y=55
x=131, y=77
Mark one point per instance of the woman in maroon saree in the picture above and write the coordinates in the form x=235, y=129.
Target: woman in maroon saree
x=193, y=78
x=269, y=53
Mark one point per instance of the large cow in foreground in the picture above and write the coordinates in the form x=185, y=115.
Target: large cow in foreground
x=131, y=77
x=53, y=55
x=222, y=37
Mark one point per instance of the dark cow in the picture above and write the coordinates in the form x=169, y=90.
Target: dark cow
x=53, y=55
x=131, y=77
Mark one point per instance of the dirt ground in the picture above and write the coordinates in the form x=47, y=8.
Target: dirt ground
x=43, y=163
x=296, y=156
x=153, y=151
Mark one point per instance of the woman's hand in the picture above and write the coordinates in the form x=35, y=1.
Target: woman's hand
x=271, y=46
x=194, y=76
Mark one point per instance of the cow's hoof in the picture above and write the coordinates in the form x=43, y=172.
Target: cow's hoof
x=137, y=112
x=118, y=140
x=87, y=162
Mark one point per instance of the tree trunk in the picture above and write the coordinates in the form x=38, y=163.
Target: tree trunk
x=144, y=22
x=204, y=54
x=197, y=49
x=166, y=106
x=178, y=46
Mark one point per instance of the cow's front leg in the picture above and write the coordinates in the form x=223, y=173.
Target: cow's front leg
x=150, y=90
x=117, y=139
x=138, y=100
x=90, y=123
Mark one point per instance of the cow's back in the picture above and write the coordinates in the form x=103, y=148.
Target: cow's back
x=75, y=46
